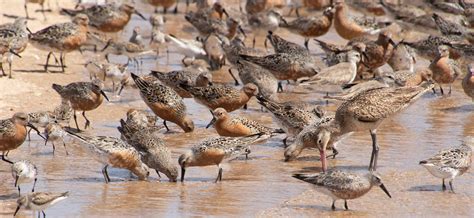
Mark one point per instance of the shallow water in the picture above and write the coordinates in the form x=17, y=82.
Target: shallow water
x=263, y=184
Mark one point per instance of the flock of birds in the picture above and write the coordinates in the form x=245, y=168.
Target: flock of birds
x=369, y=96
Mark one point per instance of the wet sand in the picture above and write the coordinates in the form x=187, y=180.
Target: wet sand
x=260, y=186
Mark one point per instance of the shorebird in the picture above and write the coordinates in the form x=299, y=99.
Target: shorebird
x=366, y=111
x=13, y=41
x=114, y=152
x=213, y=151
x=13, y=133
x=292, y=118
x=41, y=3
x=165, y=103
x=468, y=82
x=350, y=27
x=402, y=58
x=311, y=26
x=343, y=185
x=445, y=70
x=24, y=172
x=263, y=22
x=107, y=18
x=281, y=45
x=173, y=79
x=212, y=45
x=266, y=82
x=55, y=132
x=376, y=52
x=286, y=66
x=165, y=4
x=303, y=139
x=83, y=96
x=339, y=74
x=226, y=125
x=153, y=151
x=226, y=97
x=449, y=163
x=39, y=201
x=63, y=38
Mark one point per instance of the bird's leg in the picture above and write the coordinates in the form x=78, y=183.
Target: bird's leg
x=284, y=141
x=219, y=174
x=87, y=120
x=157, y=172
x=29, y=137
x=451, y=185
x=333, y=206
x=375, y=151
x=345, y=205
x=75, y=120
x=443, y=186
x=233, y=77
x=106, y=174
x=4, y=159
x=164, y=123
x=34, y=185
x=64, y=144
x=306, y=41
x=280, y=87
x=47, y=61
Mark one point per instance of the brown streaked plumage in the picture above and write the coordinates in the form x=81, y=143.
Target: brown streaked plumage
x=13, y=41
x=213, y=151
x=63, y=38
x=468, y=82
x=13, y=133
x=445, y=70
x=223, y=96
x=83, y=96
x=114, y=152
x=165, y=103
x=311, y=26
x=343, y=185
x=189, y=77
x=366, y=111
x=153, y=151
x=107, y=18
x=226, y=125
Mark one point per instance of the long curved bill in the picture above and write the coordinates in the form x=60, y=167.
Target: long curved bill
x=382, y=186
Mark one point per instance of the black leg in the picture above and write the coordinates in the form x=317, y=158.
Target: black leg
x=54, y=147
x=75, y=120
x=333, y=206
x=88, y=123
x=47, y=61
x=4, y=159
x=157, y=172
x=34, y=185
x=106, y=174
x=451, y=185
x=164, y=123
x=443, y=186
x=345, y=205
x=375, y=151
x=280, y=87
x=64, y=144
x=306, y=41
x=233, y=77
